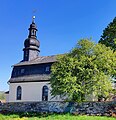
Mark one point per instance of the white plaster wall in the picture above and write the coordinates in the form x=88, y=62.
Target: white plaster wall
x=31, y=91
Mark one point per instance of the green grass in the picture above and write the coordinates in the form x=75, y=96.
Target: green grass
x=53, y=117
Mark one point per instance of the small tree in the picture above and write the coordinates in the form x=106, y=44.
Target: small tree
x=86, y=69
x=108, y=37
x=2, y=96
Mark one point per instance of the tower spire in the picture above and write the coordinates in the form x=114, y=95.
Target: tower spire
x=32, y=29
x=31, y=44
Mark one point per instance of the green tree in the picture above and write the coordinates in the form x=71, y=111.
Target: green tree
x=108, y=37
x=2, y=96
x=87, y=69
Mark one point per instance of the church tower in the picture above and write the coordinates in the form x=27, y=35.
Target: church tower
x=31, y=44
x=32, y=74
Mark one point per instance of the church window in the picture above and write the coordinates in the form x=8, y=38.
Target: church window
x=45, y=93
x=47, y=69
x=22, y=71
x=19, y=92
x=14, y=72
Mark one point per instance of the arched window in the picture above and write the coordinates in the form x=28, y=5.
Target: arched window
x=45, y=93
x=19, y=92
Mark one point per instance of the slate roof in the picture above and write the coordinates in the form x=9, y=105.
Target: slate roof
x=38, y=60
x=30, y=78
x=35, y=77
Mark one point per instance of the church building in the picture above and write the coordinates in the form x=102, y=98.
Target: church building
x=30, y=78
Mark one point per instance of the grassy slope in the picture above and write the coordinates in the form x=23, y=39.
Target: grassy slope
x=56, y=117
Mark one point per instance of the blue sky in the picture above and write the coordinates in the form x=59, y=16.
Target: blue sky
x=61, y=23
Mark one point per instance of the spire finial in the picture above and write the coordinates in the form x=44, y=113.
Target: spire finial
x=33, y=19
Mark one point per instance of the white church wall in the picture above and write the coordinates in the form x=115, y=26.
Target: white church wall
x=31, y=91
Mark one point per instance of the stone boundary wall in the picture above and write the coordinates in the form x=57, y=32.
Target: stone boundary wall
x=88, y=108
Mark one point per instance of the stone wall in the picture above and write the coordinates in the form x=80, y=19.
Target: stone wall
x=89, y=108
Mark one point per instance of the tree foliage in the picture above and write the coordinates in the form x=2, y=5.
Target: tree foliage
x=87, y=69
x=109, y=35
x=2, y=95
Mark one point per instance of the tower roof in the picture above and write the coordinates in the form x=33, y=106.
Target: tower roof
x=31, y=44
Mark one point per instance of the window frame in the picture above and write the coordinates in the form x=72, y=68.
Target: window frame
x=19, y=93
x=45, y=90
x=47, y=69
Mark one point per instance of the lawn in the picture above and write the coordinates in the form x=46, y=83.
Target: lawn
x=54, y=117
